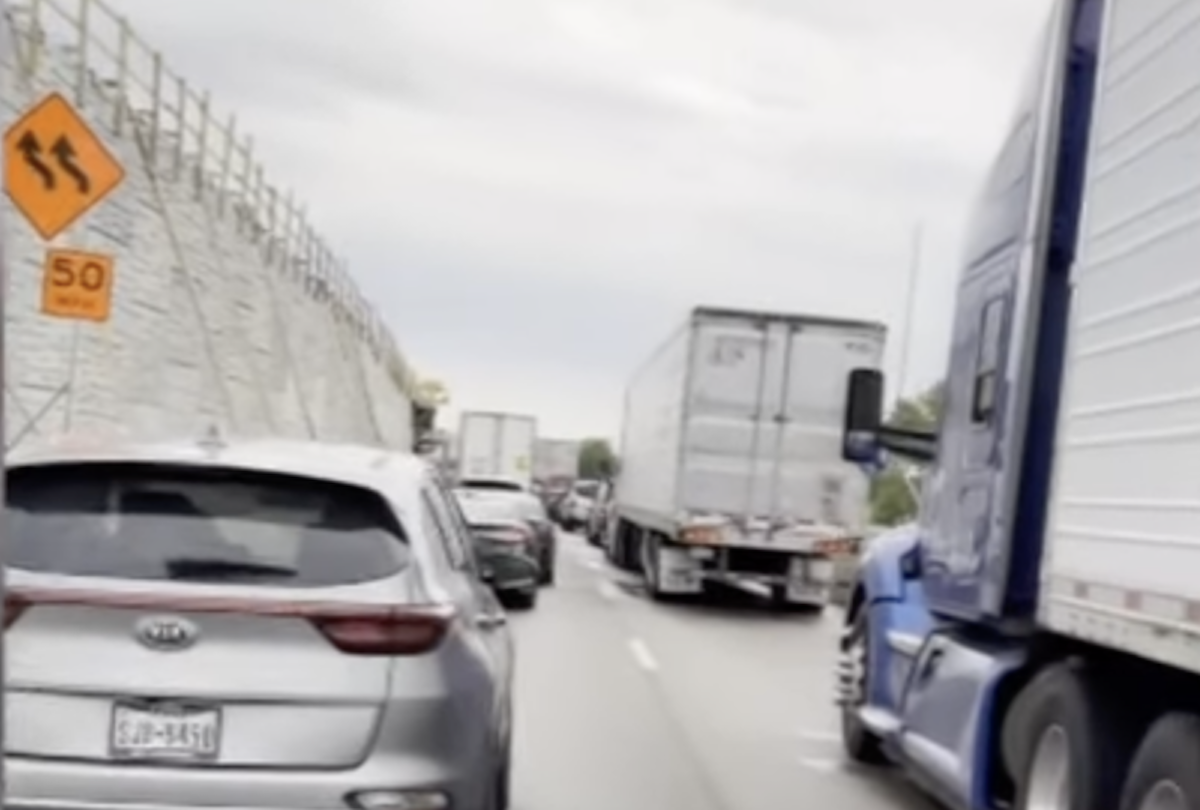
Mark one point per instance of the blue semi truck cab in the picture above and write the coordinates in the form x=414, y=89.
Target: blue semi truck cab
x=1032, y=640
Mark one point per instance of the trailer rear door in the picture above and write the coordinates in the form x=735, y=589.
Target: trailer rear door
x=764, y=414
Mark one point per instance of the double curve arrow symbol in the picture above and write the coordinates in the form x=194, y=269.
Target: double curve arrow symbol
x=31, y=151
x=64, y=155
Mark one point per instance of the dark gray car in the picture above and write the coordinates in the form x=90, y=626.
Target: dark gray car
x=518, y=510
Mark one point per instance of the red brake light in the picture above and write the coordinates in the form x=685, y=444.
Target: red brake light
x=506, y=533
x=400, y=632
x=511, y=536
x=353, y=629
x=14, y=606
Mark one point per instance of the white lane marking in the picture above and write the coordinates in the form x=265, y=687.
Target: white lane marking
x=595, y=565
x=641, y=654
x=749, y=586
x=816, y=735
x=821, y=764
x=608, y=590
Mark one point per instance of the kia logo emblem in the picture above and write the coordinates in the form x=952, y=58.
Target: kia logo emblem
x=166, y=633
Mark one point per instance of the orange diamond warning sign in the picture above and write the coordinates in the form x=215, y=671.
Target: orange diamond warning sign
x=56, y=168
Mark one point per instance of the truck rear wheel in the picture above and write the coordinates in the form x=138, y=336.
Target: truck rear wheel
x=622, y=552
x=1166, y=769
x=651, y=564
x=1063, y=745
x=612, y=543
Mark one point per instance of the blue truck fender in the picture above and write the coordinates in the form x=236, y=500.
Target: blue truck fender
x=881, y=570
x=893, y=598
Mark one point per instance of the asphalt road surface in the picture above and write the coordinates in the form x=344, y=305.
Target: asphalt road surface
x=625, y=703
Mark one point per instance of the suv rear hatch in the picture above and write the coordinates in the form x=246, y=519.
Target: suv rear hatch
x=209, y=616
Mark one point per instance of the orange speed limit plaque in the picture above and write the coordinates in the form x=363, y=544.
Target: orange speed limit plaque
x=77, y=285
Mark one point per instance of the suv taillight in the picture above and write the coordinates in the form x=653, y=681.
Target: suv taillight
x=351, y=628
x=14, y=606
x=515, y=534
x=400, y=632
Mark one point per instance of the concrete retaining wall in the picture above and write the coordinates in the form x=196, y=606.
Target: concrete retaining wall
x=227, y=309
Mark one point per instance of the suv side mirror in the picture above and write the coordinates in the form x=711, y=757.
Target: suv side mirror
x=863, y=416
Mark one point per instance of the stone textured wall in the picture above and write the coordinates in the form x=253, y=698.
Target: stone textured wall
x=227, y=310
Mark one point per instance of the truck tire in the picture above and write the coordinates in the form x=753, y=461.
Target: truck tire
x=1165, y=774
x=651, y=566
x=612, y=543
x=860, y=744
x=1064, y=745
x=622, y=552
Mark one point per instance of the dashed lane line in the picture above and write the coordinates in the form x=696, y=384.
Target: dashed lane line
x=818, y=735
x=642, y=655
x=821, y=764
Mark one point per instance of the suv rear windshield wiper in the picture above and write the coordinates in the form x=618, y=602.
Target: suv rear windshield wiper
x=201, y=568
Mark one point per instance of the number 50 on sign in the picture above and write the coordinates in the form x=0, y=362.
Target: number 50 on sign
x=77, y=285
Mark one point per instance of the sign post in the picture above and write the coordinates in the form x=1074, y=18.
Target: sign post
x=55, y=170
x=7, y=57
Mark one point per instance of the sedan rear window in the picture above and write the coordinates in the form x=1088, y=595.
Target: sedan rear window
x=198, y=525
x=481, y=510
x=494, y=484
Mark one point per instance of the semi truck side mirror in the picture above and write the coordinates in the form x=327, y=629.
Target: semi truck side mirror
x=863, y=417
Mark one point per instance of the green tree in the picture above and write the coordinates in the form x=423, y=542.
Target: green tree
x=892, y=501
x=596, y=459
x=920, y=412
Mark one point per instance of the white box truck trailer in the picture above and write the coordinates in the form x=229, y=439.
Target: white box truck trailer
x=496, y=446
x=556, y=460
x=731, y=460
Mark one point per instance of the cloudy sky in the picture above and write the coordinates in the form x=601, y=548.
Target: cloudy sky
x=535, y=191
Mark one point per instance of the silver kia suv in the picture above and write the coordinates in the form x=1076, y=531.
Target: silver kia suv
x=249, y=625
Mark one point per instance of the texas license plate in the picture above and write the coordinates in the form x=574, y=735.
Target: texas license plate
x=165, y=730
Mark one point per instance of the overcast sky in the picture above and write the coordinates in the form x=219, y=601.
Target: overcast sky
x=534, y=192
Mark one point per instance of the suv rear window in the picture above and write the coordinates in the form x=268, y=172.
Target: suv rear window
x=481, y=511
x=198, y=525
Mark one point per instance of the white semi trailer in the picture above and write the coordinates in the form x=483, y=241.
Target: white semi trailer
x=556, y=459
x=731, y=459
x=496, y=445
